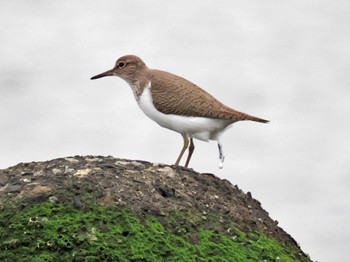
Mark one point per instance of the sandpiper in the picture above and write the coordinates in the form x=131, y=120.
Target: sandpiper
x=177, y=104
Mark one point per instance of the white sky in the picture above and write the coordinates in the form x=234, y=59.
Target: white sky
x=287, y=61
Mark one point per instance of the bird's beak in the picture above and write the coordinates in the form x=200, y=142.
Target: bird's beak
x=107, y=73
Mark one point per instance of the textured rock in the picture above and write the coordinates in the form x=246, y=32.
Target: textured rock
x=191, y=216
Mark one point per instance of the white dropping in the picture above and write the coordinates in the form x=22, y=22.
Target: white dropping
x=221, y=156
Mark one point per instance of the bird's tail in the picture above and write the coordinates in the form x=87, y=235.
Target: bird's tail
x=232, y=114
x=256, y=119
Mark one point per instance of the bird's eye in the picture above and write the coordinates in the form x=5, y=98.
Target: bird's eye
x=121, y=64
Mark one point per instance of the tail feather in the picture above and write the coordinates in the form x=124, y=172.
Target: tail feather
x=256, y=119
x=232, y=114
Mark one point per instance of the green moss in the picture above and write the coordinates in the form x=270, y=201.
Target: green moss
x=56, y=232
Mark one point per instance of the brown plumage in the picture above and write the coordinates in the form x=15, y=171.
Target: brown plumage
x=194, y=101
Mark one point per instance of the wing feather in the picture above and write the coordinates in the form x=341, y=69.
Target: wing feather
x=181, y=97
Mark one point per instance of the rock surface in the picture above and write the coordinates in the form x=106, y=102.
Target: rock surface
x=165, y=205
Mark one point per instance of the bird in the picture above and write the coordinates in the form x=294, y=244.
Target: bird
x=177, y=104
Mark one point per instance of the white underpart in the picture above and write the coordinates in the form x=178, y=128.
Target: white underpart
x=201, y=128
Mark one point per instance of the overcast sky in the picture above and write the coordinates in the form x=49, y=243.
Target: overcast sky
x=286, y=61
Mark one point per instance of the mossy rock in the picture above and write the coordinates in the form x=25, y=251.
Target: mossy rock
x=106, y=209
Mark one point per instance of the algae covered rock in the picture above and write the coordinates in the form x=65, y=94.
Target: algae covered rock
x=98, y=208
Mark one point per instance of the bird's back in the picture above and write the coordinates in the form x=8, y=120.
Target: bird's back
x=175, y=95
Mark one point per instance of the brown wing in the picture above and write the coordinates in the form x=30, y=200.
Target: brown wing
x=182, y=97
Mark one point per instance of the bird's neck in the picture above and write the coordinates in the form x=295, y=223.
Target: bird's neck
x=139, y=85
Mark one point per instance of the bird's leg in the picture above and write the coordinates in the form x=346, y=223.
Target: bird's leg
x=184, y=136
x=190, y=152
x=221, y=156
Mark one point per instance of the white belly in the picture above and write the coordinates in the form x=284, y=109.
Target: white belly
x=196, y=127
